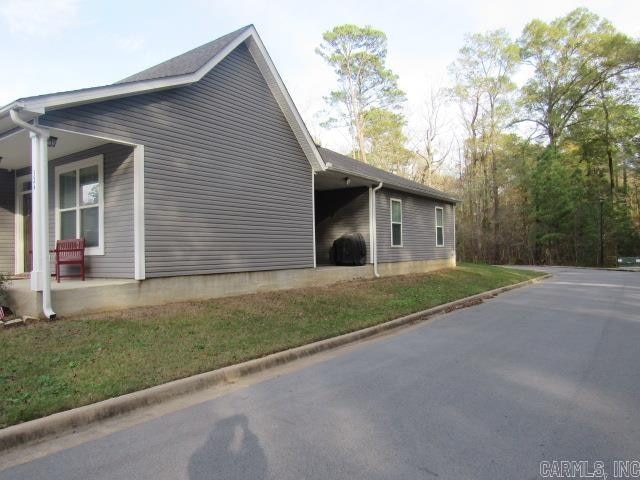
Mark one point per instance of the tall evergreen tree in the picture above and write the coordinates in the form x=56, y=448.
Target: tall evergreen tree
x=358, y=57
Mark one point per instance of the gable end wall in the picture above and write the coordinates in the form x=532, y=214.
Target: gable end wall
x=227, y=186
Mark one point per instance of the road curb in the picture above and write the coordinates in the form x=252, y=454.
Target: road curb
x=67, y=421
x=606, y=269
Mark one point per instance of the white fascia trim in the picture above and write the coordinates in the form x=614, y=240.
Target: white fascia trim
x=138, y=213
x=67, y=99
x=88, y=95
x=279, y=90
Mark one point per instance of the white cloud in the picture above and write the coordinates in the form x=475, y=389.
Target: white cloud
x=39, y=17
x=129, y=43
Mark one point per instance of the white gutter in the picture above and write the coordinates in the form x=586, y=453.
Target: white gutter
x=41, y=275
x=374, y=233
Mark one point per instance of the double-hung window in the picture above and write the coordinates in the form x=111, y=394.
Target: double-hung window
x=80, y=203
x=396, y=222
x=439, y=227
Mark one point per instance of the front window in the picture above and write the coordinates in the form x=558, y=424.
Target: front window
x=396, y=222
x=439, y=227
x=80, y=204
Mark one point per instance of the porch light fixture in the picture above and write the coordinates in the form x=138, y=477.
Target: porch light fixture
x=51, y=141
x=347, y=181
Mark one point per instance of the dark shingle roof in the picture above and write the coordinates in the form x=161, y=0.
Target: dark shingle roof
x=345, y=164
x=188, y=62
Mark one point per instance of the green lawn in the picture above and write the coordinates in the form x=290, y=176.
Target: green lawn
x=49, y=367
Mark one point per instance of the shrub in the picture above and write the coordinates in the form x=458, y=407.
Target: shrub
x=4, y=283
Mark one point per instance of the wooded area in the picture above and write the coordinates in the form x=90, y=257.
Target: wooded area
x=541, y=166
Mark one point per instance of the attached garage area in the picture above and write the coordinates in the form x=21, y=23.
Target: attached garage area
x=342, y=207
x=338, y=213
x=403, y=224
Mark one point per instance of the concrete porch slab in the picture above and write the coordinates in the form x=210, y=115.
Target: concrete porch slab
x=70, y=295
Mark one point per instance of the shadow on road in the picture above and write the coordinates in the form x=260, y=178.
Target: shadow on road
x=231, y=451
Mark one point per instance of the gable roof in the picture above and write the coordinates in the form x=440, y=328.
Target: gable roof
x=188, y=62
x=179, y=71
x=189, y=68
x=341, y=163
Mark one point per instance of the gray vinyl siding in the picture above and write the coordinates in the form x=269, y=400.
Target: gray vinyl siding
x=339, y=212
x=227, y=186
x=418, y=228
x=7, y=221
x=118, y=258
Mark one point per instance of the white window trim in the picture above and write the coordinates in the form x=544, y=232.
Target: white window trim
x=67, y=167
x=435, y=219
x=391, y=200
x=19, y=266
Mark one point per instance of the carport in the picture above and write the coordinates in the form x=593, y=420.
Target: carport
x=342, y=206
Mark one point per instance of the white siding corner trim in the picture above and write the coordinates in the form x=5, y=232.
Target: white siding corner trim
x=138, y=212
x=313, y=215
x=454, y=229
x=371, y=225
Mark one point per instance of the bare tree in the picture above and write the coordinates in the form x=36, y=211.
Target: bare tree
x=435, y=140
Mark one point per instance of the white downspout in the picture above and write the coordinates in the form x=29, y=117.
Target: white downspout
x=41, y=275
x=374, y=239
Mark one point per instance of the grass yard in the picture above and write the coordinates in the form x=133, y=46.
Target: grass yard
x=50, y=367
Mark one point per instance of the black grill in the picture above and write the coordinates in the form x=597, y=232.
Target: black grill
x=350, y=249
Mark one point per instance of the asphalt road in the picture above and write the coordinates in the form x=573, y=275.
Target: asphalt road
x=547, y=372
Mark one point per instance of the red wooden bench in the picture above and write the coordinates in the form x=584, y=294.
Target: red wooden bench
x=69, y=252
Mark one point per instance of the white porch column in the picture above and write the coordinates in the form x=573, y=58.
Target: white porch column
x=41, y=273
x=138, y=213
x=37, y=279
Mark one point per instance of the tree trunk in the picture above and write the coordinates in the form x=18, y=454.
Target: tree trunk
x=607, y=140
x=360, y=135
x=496, y=204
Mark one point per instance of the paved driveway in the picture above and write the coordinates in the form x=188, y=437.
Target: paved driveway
x=547, y=372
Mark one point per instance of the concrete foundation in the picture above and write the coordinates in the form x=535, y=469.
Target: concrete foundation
x=419, y=266
x=75, y=297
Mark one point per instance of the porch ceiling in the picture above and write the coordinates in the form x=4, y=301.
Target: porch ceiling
x=332, y=180
x=15, y=149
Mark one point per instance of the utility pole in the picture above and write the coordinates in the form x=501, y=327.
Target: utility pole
x=601, y=242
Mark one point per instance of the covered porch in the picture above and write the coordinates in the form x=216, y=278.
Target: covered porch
x=343, y=204
x=58, y=184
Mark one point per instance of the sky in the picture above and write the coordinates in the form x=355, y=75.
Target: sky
x=57, y=45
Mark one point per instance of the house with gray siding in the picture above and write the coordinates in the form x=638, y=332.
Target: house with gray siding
x=192, y=179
